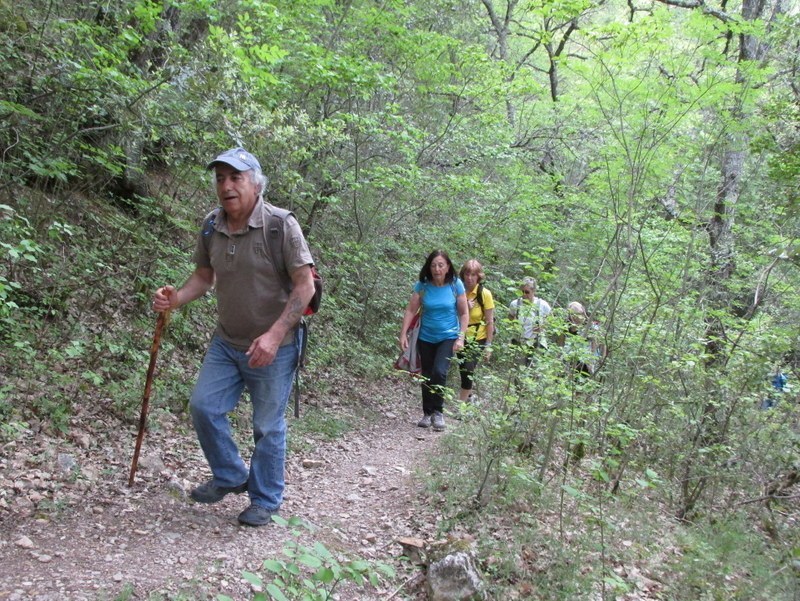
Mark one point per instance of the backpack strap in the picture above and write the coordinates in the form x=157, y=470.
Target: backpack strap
x=273, y=237
x=479, y=297
x=207, y=229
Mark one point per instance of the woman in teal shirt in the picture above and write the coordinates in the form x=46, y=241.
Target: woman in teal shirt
x=440, y=296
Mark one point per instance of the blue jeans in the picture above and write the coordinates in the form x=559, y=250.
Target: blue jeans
x=222, y=379
x=435, y=361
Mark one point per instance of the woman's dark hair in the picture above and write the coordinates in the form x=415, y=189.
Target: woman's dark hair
x=425, y=274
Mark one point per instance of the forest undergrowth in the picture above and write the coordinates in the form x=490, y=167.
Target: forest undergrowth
x=640, y=158
x=570, y=535
x=658, y=478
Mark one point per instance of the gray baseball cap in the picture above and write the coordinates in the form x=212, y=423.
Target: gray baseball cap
x=238, y=158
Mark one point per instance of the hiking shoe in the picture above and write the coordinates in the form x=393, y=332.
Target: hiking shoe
x=438, y=421
x=425, y=421
x=209, y=493
x=255, y=515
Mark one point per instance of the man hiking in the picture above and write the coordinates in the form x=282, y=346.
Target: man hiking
x=256, y=342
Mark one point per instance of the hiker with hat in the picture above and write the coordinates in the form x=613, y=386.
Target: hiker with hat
x=256, y=342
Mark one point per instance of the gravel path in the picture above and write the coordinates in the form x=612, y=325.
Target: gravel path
x=92, y=538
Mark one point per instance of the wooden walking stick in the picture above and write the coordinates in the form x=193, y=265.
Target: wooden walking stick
x=161, y=323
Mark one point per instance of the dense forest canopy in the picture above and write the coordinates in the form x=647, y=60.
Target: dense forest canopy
x=642, y=157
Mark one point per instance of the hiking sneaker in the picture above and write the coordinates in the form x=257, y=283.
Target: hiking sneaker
x=255, y=515
x=209, y=493
x=425, y=422
x=438, y=421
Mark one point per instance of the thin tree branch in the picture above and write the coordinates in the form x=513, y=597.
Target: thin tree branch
x=700, y=4
x=766, y=498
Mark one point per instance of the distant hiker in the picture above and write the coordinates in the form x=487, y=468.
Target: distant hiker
x=580, y=340
x=256, y=343
x=582, y=353
x=439, y=294
x=480, y=332
x=530, y=311
x=779, y=382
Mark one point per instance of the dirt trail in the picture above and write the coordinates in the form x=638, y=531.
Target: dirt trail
x=93, y=538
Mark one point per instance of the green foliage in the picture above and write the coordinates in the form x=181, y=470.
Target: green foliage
x=310, y=572
x=316, y=423
x=728, y=560
x=18, y=249
x=590, y=145
x=10, y=427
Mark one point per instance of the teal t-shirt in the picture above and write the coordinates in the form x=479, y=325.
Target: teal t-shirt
x=439, y=313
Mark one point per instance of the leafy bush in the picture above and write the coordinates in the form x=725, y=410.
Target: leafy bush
x=310, y=573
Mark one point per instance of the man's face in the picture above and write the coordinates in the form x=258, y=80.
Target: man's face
x=236, y=191
x=528, y=292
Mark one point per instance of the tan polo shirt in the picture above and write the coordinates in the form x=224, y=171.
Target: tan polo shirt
x=250, y=297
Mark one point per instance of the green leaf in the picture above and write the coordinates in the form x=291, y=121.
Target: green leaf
x=324, y=575
x=312, y=561
x=13, y=107
x=252, y=578
x=359, y=565
x=274, y=566
x=602, y=475
x=322, y=551
x=276, y=593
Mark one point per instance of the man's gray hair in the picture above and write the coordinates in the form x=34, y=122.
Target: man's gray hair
x=529, y=281
x=258, y=178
